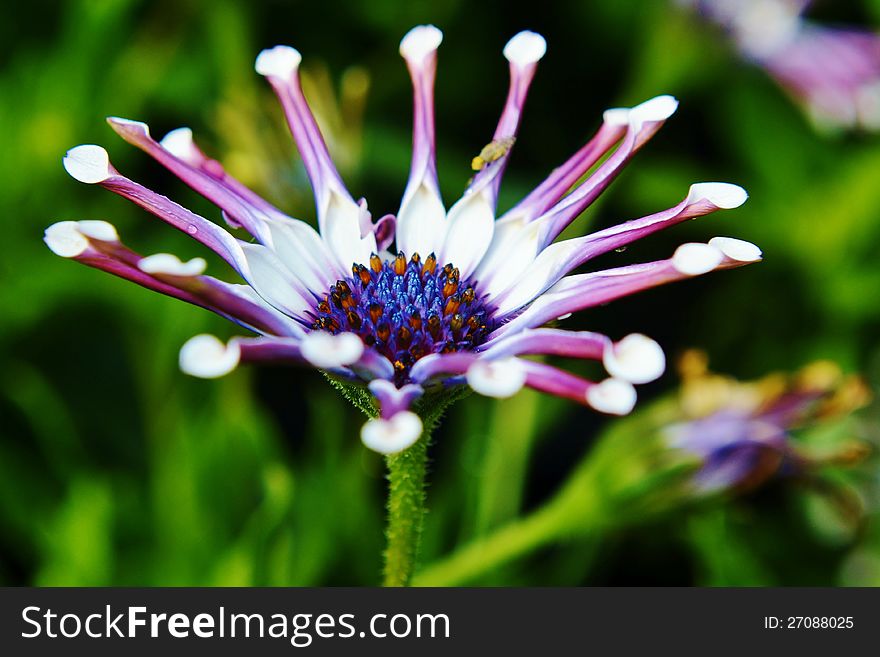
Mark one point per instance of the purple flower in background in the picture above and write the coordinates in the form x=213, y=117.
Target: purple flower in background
x=738, y=449
x=742, y=432
x=463, y=295
x=833, y=72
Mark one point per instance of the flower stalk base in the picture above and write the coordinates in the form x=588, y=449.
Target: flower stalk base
x=406, y=511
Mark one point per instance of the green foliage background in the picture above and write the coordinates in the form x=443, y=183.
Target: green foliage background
x=116, y=469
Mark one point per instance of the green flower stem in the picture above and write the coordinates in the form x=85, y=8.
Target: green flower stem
x=406, y=490
x=406, y=511
x=485, y=554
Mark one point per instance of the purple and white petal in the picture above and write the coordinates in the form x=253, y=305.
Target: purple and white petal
x=327, y=351
x=179, y=143
x=168, y=264
x=96, y=244
x=523, y=51
x=525, y=230
x=339, y=216
x=274, y=281
x=636, y=359
x=384, y=230
x=206, y=357
x=469, y=229
x=559, y=258
x=736, y=250
x=91, y=164
x=557, y=184
x=392, y=435
x=644, y=121
x=422, y=215
x=582, y=291
x=70, y=239
x=298, y=243
x=514, y=247
x=392, y=399
x=611, y=396
x=372, y=365
x=304, y=254
x=241, y=213
x=551, y=342
x=501, y=378
x=434, y=366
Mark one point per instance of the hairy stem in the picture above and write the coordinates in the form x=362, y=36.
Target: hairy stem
x=406, y=490
x=406, y=511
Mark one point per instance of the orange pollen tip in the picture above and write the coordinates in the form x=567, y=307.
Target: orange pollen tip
x=400, y=264
x=354, y=320
x=430, y=265
x=452, y=305
x=450, y=287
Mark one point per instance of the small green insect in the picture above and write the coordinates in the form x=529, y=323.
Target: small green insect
x=491, y=152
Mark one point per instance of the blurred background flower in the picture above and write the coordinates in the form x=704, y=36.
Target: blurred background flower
x=742, y=432
x=115, y=469
x=834, y=72
x=686, y=456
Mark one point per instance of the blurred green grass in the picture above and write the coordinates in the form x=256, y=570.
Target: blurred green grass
x=117, y=469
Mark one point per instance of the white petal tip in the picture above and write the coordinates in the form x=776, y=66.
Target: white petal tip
x=420, y=42
x=98, y=230
x=327, y=351
x=392, y=435
x=737, y=249
x=695, y=258
x=279, y=62
x=525, y=48
x=128, y=125
x=88, y=163
x=206, y=357
x=171, y=265
x=179, y=143
x=618, y=116
x=69, y=239
x=725, y=196
x=612, y=396
x=497, y=378
x=659, y=108
x=65, y=240
x=636, y=359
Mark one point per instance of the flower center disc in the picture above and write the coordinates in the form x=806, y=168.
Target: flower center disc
x=406, y=310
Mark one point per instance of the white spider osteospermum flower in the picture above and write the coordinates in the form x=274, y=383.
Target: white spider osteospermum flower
x=464, y=299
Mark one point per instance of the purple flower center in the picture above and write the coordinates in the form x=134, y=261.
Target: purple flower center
x=406, y=309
